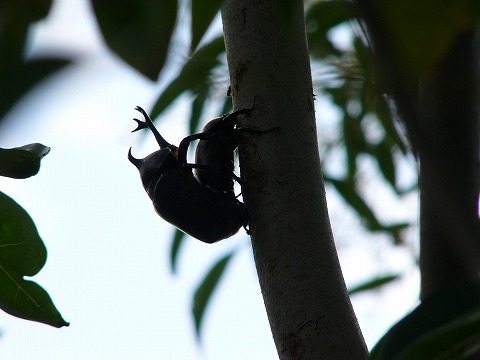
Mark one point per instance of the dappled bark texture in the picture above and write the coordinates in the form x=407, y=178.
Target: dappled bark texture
x=307, y=304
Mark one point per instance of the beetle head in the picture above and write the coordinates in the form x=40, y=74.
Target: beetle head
x=152, y=166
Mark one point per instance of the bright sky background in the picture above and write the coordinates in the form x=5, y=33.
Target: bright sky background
x=107, y=269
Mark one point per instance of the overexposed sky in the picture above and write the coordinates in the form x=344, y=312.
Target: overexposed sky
x=108, y=269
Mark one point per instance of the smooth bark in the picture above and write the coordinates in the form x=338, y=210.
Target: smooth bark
x=307, y=304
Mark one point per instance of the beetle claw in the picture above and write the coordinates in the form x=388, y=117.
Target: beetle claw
x=246, y=224
x=140, y=125
x=143, y=112
x=149, y=124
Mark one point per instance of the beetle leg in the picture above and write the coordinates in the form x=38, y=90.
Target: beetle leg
x=258, y=131
x=233, y=115
x=246, y=223
x=149, y=124
x=183, y=147
x=237, y=179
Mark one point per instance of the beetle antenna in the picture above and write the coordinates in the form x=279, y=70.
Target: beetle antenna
x=148, y=123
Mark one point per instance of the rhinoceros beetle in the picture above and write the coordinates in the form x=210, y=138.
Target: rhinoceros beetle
x=215, y=153
x=200, y=205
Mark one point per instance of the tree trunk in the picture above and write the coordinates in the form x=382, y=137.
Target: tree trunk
x=442, y=121
x=448, y=124
x=307, y=304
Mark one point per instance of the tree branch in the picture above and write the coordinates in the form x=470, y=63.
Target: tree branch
x=308, y=307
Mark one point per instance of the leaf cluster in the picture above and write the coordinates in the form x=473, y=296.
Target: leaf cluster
x=22, y=251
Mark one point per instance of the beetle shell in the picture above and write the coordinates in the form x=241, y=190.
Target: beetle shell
x=217, y=153
x=153, y=164
x=199, y=211
x=179, y=198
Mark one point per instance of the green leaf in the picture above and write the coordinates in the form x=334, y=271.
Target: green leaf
x=339, y=95
x=198, y=105
x=22, y=253
x=193, y=77
x=203, y=13
x=26, y=299
x=177, y=242
x=205, y=290
x=18, y=76
x=22, y=77
x=22, y=162
x=457, y=339
x=227, y=106
x=347, y=190
x=320, y=18
x=20, y=244
x=328, y=14
x=139, y=31
x=395, y=231
x=384, y=156
x=453, y=311
x=433, y=25
x=355, y=142
x=384, y=115
x=373, y=283
x=26, y=11
x=15, y=19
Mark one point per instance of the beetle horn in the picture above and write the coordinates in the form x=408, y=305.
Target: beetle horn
x=133, y=160
x=149, y=124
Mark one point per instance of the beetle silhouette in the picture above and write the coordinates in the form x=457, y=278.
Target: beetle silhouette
x=203, y=206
